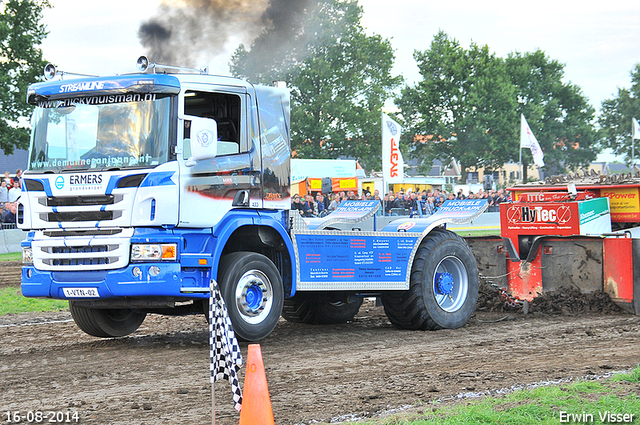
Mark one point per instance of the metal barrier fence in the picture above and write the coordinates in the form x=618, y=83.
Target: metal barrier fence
x=10, y=238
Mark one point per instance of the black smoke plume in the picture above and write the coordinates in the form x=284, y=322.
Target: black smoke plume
x=188, y=32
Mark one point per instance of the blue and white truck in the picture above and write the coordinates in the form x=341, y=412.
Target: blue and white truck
x=142, y=188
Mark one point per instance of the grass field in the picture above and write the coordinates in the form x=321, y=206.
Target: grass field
x=12, y=301
x=611, y=400
x=12, y=256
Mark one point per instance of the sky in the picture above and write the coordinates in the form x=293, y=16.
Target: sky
x=599, y=42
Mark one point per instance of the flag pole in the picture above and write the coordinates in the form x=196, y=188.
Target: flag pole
x=212, y=348
x=520, y=166
x=384, y=185
x=633, y=155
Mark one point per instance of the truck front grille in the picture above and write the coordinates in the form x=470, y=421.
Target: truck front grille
x=80, y=216
x=76, y=251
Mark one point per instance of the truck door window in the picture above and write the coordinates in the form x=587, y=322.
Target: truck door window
x=225, y=109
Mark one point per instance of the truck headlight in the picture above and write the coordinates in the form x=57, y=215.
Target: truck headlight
x=27, y=255
x=154, y=251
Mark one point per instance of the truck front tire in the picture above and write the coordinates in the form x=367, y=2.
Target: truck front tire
x=253, y=293
x=106, y=323
x=443, y=288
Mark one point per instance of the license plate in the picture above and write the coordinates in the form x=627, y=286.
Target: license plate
x=81, y=292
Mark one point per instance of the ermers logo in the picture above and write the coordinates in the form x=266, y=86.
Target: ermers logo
x=85, y=179
x=59, y=182
x=84, y=86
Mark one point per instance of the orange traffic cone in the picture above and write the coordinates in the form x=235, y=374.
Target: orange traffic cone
x=256, y=404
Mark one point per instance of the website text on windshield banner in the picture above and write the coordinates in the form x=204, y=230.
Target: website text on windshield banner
x=107, y=161
x=98, y=100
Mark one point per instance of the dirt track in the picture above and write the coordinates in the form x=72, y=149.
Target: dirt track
x=159, y=375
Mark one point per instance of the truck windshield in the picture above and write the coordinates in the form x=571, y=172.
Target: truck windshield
x=124, y=130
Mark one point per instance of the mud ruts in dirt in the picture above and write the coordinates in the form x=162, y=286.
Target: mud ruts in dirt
x=564, y=301
x=160, y=374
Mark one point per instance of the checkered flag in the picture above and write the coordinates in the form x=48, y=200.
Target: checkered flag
x=226, y=358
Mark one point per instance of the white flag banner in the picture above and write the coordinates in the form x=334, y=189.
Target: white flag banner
x=636, y=129
x=392, y=162
x=528, y=140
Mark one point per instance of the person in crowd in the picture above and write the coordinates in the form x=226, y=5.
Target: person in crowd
x=430, y=206
x=322, y=211
x=296, y=204
x=4, y=194
x=308, y=206
x=388, y=204
x=9, y=216
x=18, y=177
x=398, y=202
x=415, y=206
x=376, y=197
x=15, y=192
x=337, y=198
x=8, y=179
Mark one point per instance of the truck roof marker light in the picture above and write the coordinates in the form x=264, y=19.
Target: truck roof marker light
x=50, y=71
x=143, y=63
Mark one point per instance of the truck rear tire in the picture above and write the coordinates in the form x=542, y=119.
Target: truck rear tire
x=106, y=323
x=253, y=292
x=318, y=308
x=443, y=288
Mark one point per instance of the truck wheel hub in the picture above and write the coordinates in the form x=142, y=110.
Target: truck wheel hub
x=254, y=296
x=444, y=283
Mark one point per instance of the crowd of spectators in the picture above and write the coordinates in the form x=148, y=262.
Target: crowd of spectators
x=10, y=191
x=410, y=202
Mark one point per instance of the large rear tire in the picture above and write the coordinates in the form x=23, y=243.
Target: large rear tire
x=443, y=288
x=253, y=292
x=106, y=323
x=319, y=308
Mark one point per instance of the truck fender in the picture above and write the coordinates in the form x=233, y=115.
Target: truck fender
x=236, y=219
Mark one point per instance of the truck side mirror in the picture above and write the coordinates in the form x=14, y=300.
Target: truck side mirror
x=203, y=140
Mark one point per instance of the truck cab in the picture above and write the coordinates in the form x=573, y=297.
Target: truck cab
x=138, y=185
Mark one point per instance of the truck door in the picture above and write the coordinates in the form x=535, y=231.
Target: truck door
x=208, y=187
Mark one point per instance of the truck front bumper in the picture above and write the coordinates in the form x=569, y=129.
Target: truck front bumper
x=155, y=279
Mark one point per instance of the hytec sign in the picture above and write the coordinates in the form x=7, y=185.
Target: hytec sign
x=555, y=218
x=527, y=214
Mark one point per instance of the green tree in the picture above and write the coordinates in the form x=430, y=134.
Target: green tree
x=340, y=79
x=616, y=118
x=464, y=108
x=21, y=64
x=558, y=113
